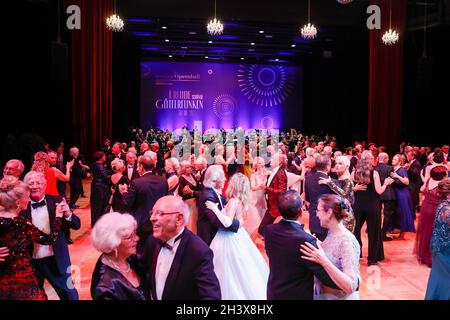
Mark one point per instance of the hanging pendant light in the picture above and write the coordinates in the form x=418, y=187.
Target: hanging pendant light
x=214, y=27
x=114, y=22
x=309, y=31
x=391, y=36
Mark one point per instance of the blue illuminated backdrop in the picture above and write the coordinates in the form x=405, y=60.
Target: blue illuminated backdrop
x=218, y=95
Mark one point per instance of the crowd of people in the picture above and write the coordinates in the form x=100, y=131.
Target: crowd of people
x=176, y=216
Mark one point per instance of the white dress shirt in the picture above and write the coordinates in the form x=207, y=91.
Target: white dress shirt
x=41, y=220
x=218, y=196
x=164, y=263
x=130, y=171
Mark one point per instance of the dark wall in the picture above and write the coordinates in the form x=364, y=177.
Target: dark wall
x=32, y=101
x=126, y=84
x=336, y=90
x=426, y=87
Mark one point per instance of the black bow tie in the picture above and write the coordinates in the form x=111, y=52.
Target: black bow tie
x=39, y=204
x=168, y=246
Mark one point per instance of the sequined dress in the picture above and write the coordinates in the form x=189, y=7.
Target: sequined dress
x=343, y=251
x=17, y=279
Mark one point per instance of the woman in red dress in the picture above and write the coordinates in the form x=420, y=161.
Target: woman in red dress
x=17, y=278
x=42, y=162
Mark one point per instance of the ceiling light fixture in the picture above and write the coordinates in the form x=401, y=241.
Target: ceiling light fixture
x=309, y=31
x=214, y=26
x=391, y=36
x=114, y=22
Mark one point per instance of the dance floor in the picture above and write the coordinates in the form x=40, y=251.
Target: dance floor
x=398, y=277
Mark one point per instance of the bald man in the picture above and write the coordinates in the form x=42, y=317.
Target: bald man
x=180, y=264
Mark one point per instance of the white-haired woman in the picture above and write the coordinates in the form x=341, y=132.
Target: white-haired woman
x=17, y=274
x=345, y=188
x=172, y=166
x=117, y=179
x=238, y=264
x=116, y=275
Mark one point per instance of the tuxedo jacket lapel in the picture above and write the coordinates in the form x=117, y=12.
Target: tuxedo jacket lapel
x=171, y=281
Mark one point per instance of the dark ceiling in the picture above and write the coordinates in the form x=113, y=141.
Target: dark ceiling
x=176, y=29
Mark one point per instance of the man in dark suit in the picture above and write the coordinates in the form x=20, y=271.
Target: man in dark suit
x=207, y=222
x=52, y=262
x=276, y=184
x=116, y=152
x=313, y=191
x=132, y=171
x=415, y=181
x=179, y=264
x=141, y=195
x=291, y=277
x=388, y=197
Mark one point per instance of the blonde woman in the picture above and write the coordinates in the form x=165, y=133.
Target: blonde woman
x=258, y=182
x=238, y=264
x=117, y=179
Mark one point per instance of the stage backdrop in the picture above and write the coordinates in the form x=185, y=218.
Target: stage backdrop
x=215, y=95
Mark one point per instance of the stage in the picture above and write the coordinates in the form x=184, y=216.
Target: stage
x=398, y=277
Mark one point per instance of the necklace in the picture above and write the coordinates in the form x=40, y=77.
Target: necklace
x=115, y=266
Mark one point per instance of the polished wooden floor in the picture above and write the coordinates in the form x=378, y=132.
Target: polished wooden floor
x=398, y=277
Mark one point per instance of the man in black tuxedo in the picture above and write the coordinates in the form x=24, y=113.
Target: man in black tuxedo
x=180, y=265
x=313, y=191
x=291, y=277
x=388, y=197
x=52, y=262
x=132, y=171
x=141, y=195
x=115, y=153
x=445, y=150
x=207, y=222
x=415, y=182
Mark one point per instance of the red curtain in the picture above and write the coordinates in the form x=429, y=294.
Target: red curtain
x=91, y=52
x=386, y=77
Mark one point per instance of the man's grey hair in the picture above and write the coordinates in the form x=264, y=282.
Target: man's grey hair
x=212, y=174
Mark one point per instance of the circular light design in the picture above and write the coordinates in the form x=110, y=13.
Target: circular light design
x=114, y=23
x=261, y=31
x=214, y=27
x=167, y=40
x=210, y=42
x=206, y=57
x=265, y=86
x=390, y=37
x=293, y=45
x=164, y=27
x=309, y=31
x=252, y=44
x=224, y=105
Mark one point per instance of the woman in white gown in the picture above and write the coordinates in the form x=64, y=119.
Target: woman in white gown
x=238, y=264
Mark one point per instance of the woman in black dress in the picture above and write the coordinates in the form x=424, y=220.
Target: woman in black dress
x=117, y=179
x=100, y=191
x=116, y=275
x=368, y=206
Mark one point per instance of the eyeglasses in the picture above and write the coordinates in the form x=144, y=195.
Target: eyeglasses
x=161, y=213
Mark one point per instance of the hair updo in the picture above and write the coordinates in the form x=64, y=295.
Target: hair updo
x=337, y=204
x=11, y=190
